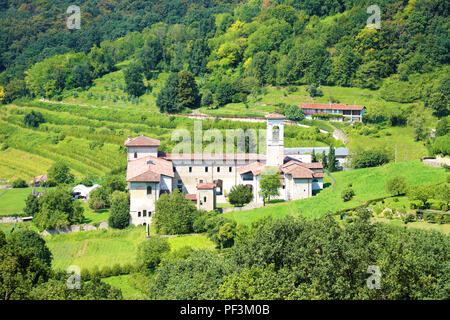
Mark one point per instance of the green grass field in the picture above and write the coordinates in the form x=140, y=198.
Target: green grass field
x=125, y=284
x=369, y=183
x=108, y=247
x=12, y=201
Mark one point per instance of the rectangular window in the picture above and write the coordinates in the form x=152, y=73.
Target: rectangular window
x=218, y=169
x=206, y=169
x=149, y=190
x=204, y=199
x=190, y=169
x=144, y=213
x=230, y=169
x=139, y=214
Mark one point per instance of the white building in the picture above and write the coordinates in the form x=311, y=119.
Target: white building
x=82, y=192
x=207, y=178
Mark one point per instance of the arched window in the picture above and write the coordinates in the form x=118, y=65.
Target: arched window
x=149, y=190
x=276, y=133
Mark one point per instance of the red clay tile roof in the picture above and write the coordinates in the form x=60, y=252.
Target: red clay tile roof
x=42, y=177
x=191, y=196
x=232, y=156
x=275, y=116
x=142, y=141
x=301, y=170
x=148, y=169
x=206, y=185
x=328, y=106
x=311, y=165
x=256, y=168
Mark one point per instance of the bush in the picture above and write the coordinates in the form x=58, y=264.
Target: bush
x=240, y=195
x=19, y=183
x=106, y=272
x=397, y=186
x=221, y=231
x=367, y=159
x=59, y=173
x=151, y=251
x=294, y=113
x=409, y=217
x=314, y=91
x=85, y=275
x=99, y=199
x=347, y=194
x=199, y=218
x=388, y=214
x=116, y=270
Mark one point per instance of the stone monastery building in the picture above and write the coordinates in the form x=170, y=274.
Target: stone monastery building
x=206, y=179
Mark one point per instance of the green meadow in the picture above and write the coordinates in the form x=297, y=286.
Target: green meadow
x=108, y=247
x=12, y=201
x=368, y=183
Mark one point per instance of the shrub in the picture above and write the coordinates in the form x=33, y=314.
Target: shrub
x=347, y=194
x=116, y=270
x=294, y=113
x=221, y=231
x=240, y=195
x=59, y=173
x=19, y=183
x=106, y=272
x=151, y=251
x=397, y=186
x=199, y=218
x=368, y=159
x=85, y=275
x=388, y=214
x=408, y=217
x=98, y=197
x=314, y=91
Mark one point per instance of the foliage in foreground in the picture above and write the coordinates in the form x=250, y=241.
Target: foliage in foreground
x=313, y=259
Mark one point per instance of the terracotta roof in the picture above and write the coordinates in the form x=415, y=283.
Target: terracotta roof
x=148, y=169
x=300, y=170
x=191, y=196
x=329, y=106
x=275, y=116
x=142, y=141
x=42, y=177
x=311, y=165
x=206, y=186
x=231, y=156
x=256, y=168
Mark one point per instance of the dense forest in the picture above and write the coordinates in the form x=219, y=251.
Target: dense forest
x=232, y=48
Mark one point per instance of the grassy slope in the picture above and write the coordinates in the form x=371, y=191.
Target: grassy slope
x=122, y=282
x=108, y=247
x=369, y=183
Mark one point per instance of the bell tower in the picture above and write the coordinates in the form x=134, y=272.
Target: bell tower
x=275, y=140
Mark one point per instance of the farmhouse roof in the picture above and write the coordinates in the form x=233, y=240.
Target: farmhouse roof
x=301, y=170
x=142, y=141
x=329, y=106
x=256, y=168
x=42, y=177
x=148, y=169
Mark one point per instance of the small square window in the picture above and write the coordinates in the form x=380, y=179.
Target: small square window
x=200, y=181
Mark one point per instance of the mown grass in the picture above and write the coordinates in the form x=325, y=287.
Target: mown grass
x=12, y=201
x=125, y=284
x=108, y=247
x=369, y=183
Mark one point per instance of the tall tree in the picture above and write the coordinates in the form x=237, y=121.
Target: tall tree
x=332, y=162
x=150, y=56
x=270, y=183
x=167, y=100
x=134, y=83
x=188, y=95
